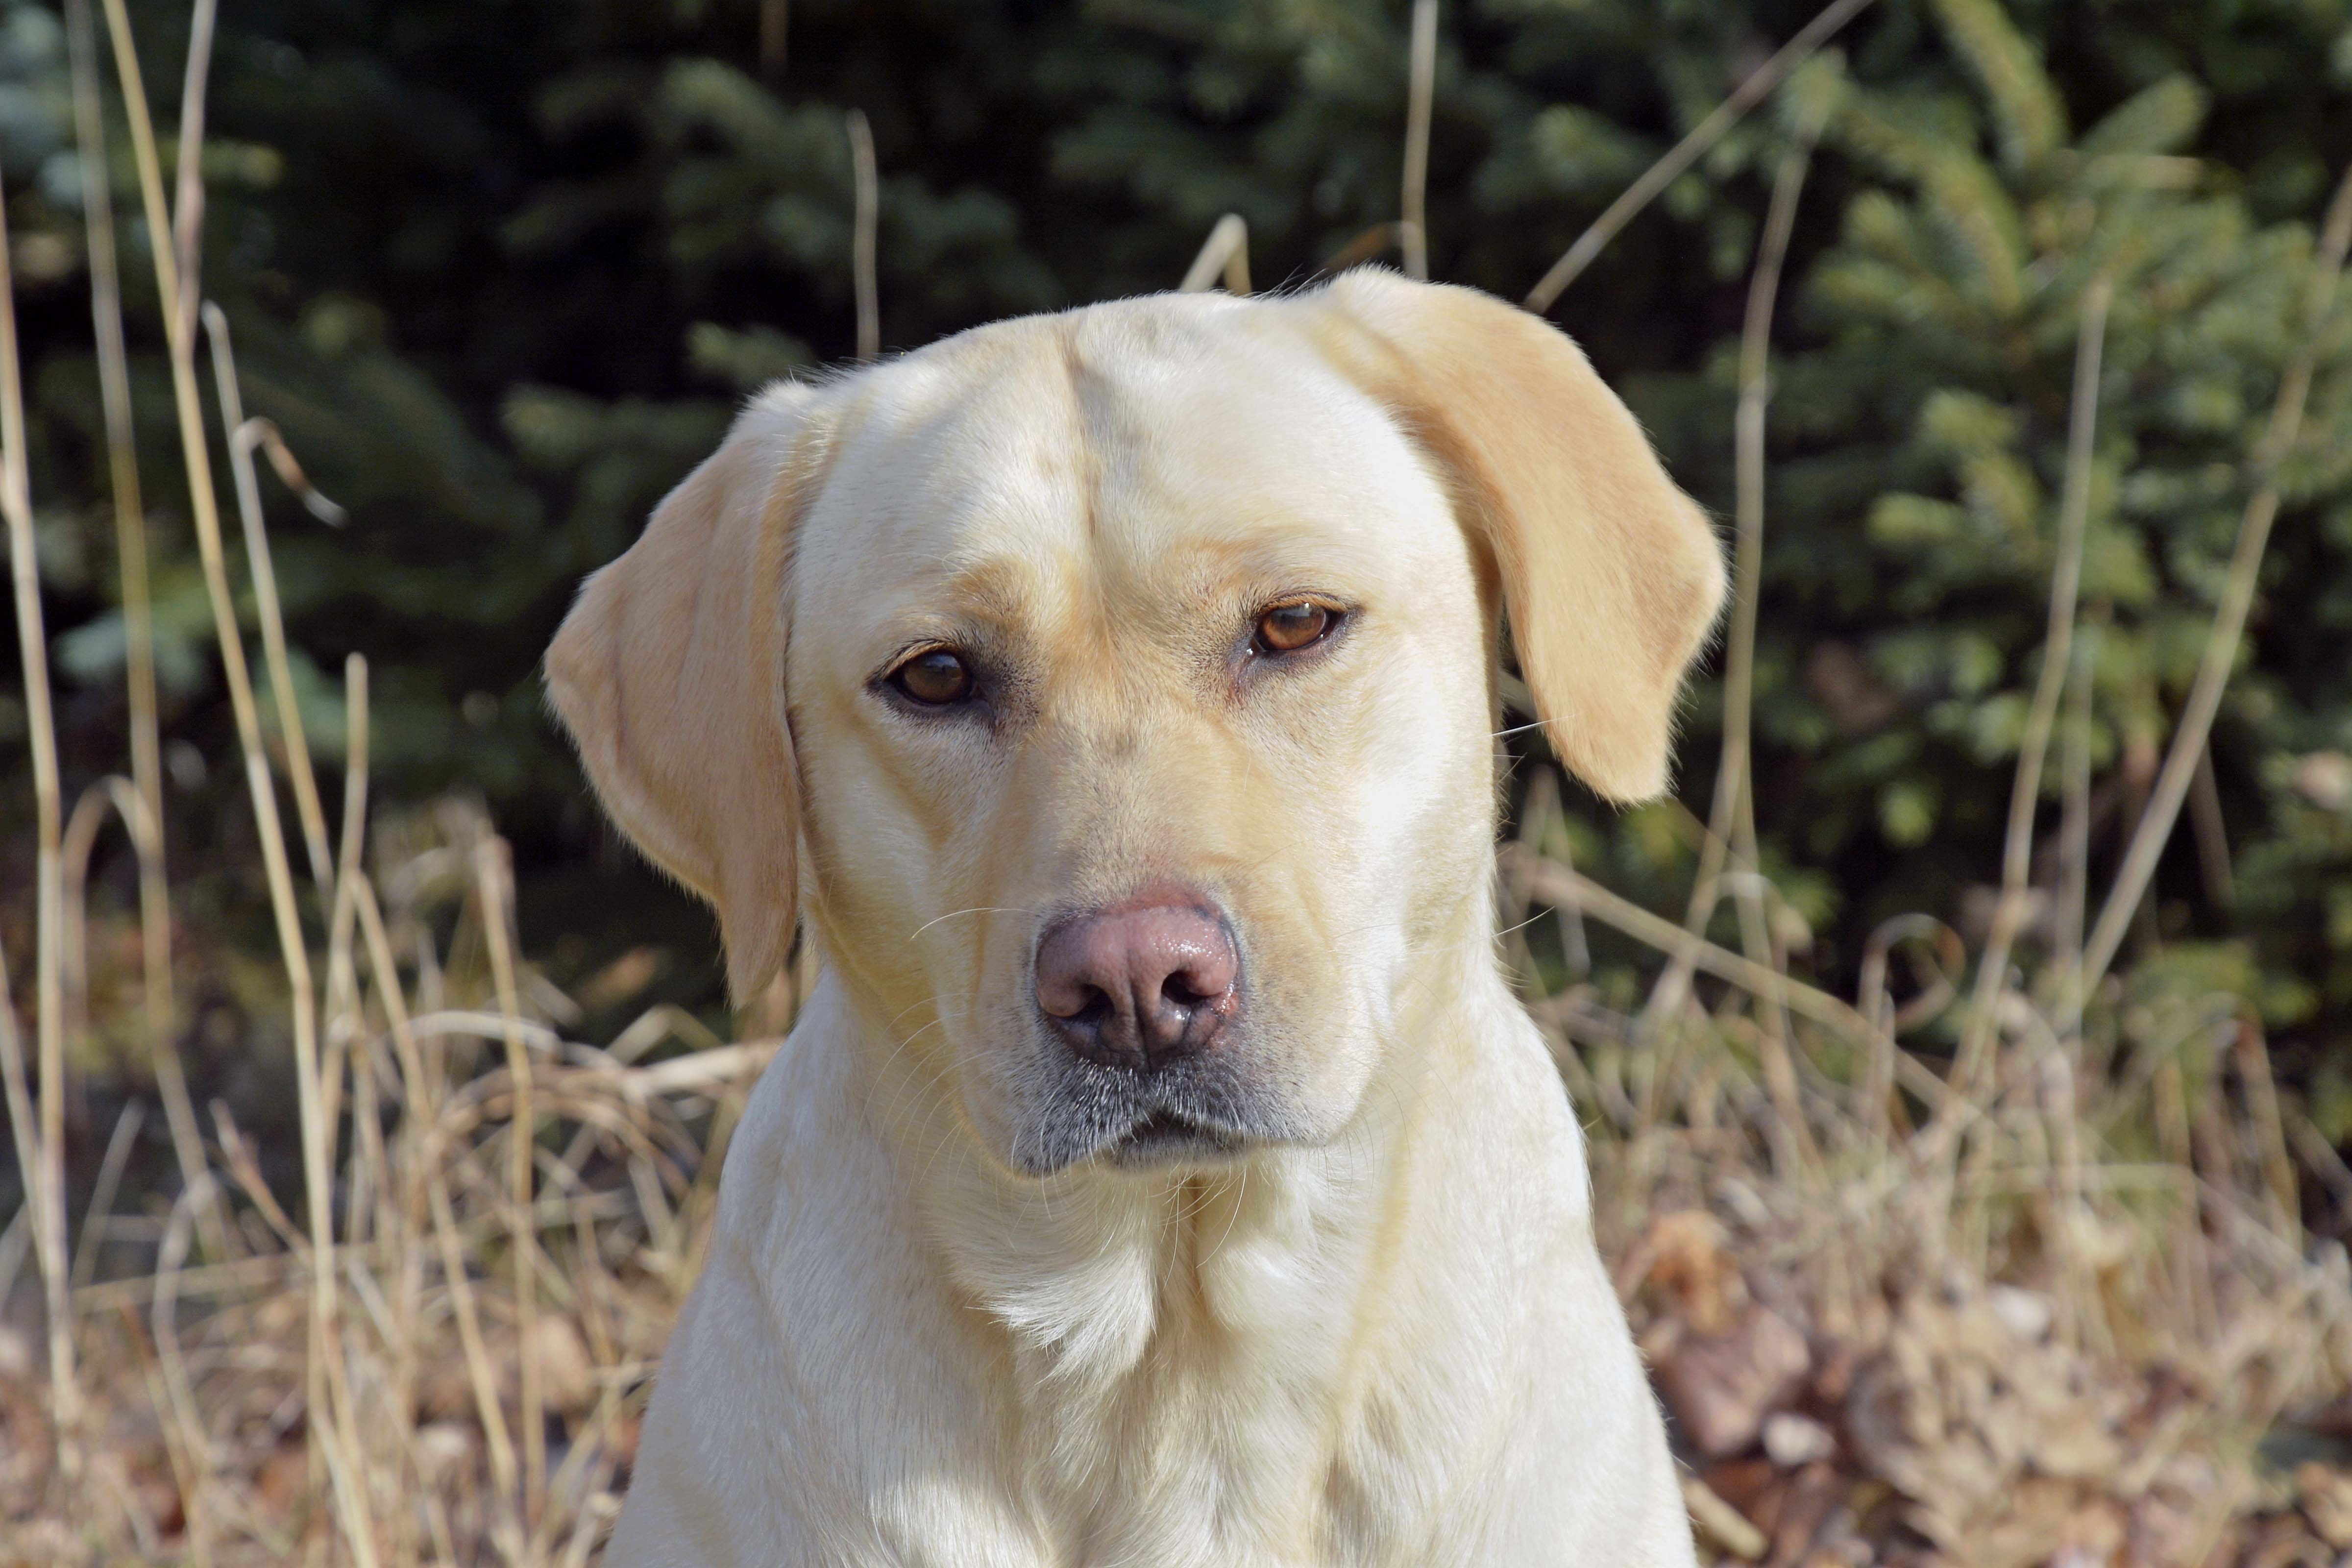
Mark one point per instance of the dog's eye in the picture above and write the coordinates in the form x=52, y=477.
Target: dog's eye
x=935, y=678
x=1286, y=628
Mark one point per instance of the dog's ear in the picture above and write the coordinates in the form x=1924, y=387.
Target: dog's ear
x=1611, y=576
x=669, y=673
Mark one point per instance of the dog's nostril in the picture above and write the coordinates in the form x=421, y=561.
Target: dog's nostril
x=1075, y=1001
x=1179, y=989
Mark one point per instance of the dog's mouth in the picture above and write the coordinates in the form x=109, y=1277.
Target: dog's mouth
x=1203, y=1111
x=1168, y=1137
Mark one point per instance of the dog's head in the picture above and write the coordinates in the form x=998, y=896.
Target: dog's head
x=1118, y=684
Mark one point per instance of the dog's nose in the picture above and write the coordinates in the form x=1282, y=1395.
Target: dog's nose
x=1141, y=982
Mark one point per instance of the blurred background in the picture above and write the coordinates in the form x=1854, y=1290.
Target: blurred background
x=500, y=269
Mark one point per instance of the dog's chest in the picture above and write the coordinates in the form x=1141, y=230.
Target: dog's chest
x=1216, y=1391
x=1257, y=1456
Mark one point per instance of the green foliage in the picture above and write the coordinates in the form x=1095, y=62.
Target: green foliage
x=497, y=268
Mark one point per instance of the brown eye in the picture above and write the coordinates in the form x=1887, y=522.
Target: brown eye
x=934, y=679
x=1286, y=628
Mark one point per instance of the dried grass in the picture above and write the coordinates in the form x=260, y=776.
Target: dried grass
x=868, y=186
x=2048, y=1308
x=1421, y=87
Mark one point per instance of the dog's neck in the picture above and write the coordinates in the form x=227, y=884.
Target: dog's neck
x=1131, y=1308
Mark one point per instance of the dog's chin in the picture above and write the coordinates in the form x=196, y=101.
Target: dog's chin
x=1158, y=1140
x=1199, y=1114
x=1167, y=1139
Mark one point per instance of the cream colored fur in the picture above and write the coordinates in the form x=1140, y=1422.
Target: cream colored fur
x=1382, y=1337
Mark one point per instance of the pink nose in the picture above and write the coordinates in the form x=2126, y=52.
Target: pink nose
x=1140, y=983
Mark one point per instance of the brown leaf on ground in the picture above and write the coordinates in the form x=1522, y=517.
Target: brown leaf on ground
x=1805, y=1504
x=1721, y=1386
x=1744, y=1484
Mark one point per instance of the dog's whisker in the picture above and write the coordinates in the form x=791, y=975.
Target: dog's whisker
x=975, y=910
x=1232, y=1216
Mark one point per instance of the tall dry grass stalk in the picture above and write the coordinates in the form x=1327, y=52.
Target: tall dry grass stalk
x=1731, y=819
x=117, y=795
x=1224, y=256
x=138, y=615
x=32, y=642
x=188, y=197
x=242, y=436
x=1367, y=244
x=1970, y=1063
x=2074, y=878
x=865, y=219
x=494, y=878
x=1420, y=86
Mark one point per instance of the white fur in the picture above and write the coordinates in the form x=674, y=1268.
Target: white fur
x=1399, y=1348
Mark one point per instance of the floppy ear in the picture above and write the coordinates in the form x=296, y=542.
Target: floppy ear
x=669, y=673
x=1611, y=576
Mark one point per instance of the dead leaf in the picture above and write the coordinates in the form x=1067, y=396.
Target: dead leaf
x=1720, y=1387
x=1805, y=1505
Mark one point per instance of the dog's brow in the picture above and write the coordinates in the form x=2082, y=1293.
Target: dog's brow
x=999, y=590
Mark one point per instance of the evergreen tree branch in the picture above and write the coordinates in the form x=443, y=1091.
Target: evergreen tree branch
x=1686, y=152
x=2197, y=716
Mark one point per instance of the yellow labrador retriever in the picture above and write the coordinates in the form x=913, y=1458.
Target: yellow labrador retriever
x=1162, y=1173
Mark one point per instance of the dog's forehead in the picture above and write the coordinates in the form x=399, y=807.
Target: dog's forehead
x=1128, y=437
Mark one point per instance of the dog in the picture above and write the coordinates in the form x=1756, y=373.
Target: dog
x=1161, y=1171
